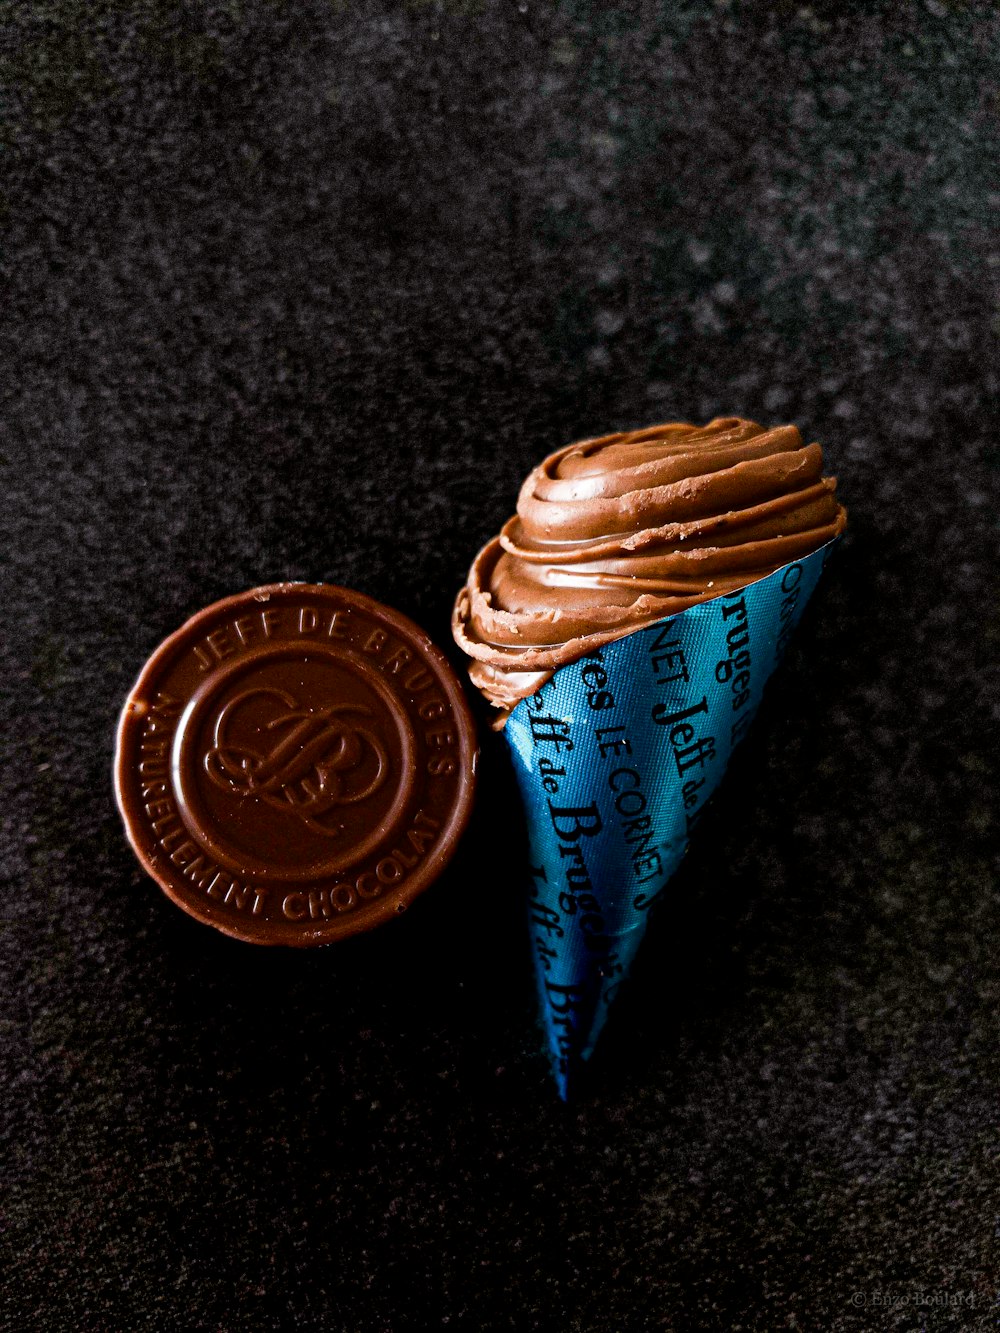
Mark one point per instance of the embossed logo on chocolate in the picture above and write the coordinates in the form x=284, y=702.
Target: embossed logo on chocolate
x=295, y=764
x=305, y=771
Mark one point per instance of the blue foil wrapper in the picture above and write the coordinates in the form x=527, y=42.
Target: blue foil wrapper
x=616, y=757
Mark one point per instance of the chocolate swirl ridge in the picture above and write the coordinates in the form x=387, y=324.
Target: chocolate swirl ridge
x=614, y=533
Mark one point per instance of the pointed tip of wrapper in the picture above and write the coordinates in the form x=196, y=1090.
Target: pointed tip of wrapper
x=569, y=1077
x=616, y=757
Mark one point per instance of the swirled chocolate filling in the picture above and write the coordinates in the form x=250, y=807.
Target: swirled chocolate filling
x=614, y=533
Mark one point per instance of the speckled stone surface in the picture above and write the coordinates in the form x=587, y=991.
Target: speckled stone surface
x=302, y=291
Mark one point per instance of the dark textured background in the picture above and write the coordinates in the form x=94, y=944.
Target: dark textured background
x=302, y=291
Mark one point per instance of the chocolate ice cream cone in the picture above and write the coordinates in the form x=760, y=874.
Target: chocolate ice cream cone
x=624, y=624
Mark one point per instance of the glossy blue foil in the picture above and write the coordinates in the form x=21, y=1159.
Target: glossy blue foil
x=616, y=757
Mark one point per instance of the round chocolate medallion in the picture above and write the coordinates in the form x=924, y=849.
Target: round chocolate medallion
x=295, y=764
